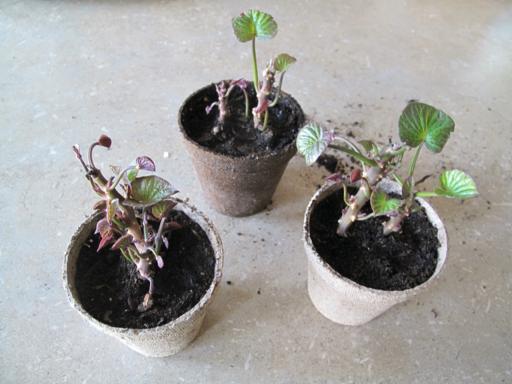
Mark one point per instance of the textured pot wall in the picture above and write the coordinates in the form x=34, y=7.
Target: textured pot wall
x=237, y=186
x=163, y=340
x=344, y=301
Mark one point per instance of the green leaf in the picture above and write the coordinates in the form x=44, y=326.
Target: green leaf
x=283, y=61
x=252, y=24
x=132, y=174
x=311, y=142
x=456, y=184
x=382, y=204
x=369, y=146
x=422, y=123
x=162, y=208
x=149, y=190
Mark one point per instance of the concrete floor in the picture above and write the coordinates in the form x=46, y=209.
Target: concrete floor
x=70, y=71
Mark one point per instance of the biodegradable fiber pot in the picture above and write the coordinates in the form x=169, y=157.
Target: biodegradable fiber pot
x=163, y=340
x=343, y=300
x=235, y=185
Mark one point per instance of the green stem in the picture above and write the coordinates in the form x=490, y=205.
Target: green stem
x=278, y=92
x=265, y=120
x=126, y=255
x=357, y=155
x=255, y=66
x=345, y=195
x=426, y=194
x=120, y=177
x=412, y=166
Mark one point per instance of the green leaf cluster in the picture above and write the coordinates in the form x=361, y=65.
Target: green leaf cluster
x=254, y=24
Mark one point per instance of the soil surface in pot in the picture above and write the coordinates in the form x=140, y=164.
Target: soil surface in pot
x=237, y=136
x=395, y=262
x=110, y=289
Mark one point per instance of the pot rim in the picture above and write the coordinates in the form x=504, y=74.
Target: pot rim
x=286, y=148
x=218, y=250
x=315, y=257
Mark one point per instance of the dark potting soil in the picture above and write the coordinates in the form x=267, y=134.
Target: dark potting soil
x=329, y=162
x=395, y=262
x=238, y=136
x=110, y=290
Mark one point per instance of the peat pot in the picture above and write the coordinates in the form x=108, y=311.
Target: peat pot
x=236, y=185
x=159, y=341
x=344, y=301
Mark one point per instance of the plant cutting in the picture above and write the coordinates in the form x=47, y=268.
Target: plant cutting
x=371, y=238
x=143, y=267
x=241, y=134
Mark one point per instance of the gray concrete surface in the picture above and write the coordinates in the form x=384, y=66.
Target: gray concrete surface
x=70, y=71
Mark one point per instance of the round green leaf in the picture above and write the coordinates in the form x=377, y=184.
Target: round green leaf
x=252, y=24
x=456, y=184
x=311, y=142
x=162, y=208
x=149, y=190
x=382, y=204
x=422, y=123
x=283, y=61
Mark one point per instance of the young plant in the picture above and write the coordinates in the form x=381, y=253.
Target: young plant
x=420, y=125
x=135, y=211
x=224, y=89
x=249, y=26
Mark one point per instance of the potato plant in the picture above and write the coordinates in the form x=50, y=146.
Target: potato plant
x=420, y=126
x=134, y=212
x=248, y=27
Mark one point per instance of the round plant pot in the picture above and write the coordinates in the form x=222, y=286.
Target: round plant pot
x=345, y=301
x=235, y=185
x=160, y=341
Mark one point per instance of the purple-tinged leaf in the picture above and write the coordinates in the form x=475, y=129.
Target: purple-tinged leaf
x=145, y=163
x=159, y=261
x=123, y=241
x=355, y=175
x=102, y=227
x=103, y=242
x=105, y=141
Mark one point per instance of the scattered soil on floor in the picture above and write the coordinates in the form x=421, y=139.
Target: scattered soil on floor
x=110, y=289
x=395, y=262
x=238, y=136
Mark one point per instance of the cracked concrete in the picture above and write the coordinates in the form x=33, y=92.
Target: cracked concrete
x=72, y=70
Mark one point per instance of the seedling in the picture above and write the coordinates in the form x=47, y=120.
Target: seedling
x=135, y=211
x=420, y=125
x=249, y=26
x=224, y=90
